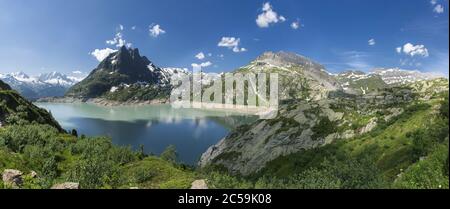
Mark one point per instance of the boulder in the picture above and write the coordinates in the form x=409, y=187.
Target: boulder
x=66, y=185
x=12, y=177
x=199, y=184
x=33, y=174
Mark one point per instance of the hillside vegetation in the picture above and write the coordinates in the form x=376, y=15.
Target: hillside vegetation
x=32, y=142
x=407, y=147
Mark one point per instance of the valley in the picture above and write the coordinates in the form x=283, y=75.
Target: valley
x=114, y=129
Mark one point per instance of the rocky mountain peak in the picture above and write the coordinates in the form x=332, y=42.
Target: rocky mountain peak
x=127, y=61
x=126, y=66
x=283, y=58
x=352, y=72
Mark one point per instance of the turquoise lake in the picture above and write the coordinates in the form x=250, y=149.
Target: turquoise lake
x=192, y=131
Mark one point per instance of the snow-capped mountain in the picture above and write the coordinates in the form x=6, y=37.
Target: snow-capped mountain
x=400, y=76
x=390, y=76
x=56, y=78
x=360, y=82
x=43, y=85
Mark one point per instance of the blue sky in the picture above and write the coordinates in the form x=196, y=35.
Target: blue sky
x=54, y=35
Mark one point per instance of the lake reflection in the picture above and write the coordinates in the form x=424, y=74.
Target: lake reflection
x=192, y=131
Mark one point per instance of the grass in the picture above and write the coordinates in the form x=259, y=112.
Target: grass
x=163, y=175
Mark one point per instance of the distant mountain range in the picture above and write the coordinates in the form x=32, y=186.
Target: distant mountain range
x=52, y=84
x=361, y=82
x=126, y=76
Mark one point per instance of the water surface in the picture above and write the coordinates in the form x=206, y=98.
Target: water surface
x=192, y=131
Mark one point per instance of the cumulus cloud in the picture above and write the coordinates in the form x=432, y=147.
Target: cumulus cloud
x=231, y=43
x=372, y=42
x=399, y=49
x=413, y=50
x=201, y=65
x=101, y=54
x=438, y=9
x=156, y=30
x=118, y=40
x=268, y=16
x=200, y=56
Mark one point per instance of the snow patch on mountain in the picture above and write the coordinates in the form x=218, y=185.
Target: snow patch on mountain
x=400, y=76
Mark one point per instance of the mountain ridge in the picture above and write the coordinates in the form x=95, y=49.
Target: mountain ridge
x=51, y=84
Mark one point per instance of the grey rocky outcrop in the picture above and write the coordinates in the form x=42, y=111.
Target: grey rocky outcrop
x=13, y=178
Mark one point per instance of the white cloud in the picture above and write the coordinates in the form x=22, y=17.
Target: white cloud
x=231, y=43
x=101, y=54
x=133, y=27
x=203, y=64
x=118, y=40
x=200, y=56
x=399, y=49
x=438, y=9
x=77, y=72
x=268, y=16
x=156, y=30
x=372, y=42
x=295, y=25
x=236, y=49
x=413, y=50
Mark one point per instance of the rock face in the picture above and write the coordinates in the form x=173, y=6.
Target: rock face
x=250, y=147
x=66, y=185
x=199, y=184
x=12, y=177
x=369, y=127
x=299, y=77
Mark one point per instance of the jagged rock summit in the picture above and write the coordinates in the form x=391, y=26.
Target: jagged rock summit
x=124, y=67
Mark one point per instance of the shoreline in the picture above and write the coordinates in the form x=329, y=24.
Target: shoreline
x=195, y=106
x=100, y=101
